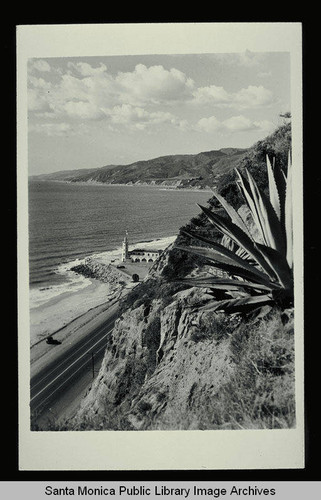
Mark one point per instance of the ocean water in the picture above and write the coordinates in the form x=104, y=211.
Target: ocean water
x=69, y=222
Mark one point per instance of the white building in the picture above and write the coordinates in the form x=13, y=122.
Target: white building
x=143, y=255
x=139, y=254
x=125, y=253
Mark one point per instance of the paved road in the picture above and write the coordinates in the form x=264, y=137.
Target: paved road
x=53, y=380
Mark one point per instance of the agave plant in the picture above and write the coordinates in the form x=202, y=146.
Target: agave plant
x=257, y=270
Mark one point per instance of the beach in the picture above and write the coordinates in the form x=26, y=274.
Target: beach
x=61, y=311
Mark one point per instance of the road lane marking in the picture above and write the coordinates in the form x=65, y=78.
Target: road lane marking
x=65, y=360
x=66, y=369
x=64, y=382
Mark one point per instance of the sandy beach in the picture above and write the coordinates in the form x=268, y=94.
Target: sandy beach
x=61, y=310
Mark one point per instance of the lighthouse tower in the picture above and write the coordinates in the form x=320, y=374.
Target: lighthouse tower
x=124, y=254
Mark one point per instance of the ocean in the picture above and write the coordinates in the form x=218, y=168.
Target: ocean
x=69, y=222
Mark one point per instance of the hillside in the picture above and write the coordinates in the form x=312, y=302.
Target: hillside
x=65, y=175
x=168, y=367
x=198, y=171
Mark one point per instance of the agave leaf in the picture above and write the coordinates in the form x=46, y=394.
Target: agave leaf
x=228, y=288
x=288, y=216
x=280, y=180
x=251, y=274
x=229, y=264
x=206, y=253
x=273, y=190
x=279, y=264
x=234, y=216
x=234, y=259
x=244, y=304
x=246, y=275
x=238, y=305
x=237, y=235
x=247, y=193
x=228, y=284
x=263, y=213
x=272, y=229
x=230, y=245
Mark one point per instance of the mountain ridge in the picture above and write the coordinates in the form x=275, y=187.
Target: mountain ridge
x=181, y=170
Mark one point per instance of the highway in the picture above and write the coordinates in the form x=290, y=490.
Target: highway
x=53, y=380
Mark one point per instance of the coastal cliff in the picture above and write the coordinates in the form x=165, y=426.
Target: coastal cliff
x=173, y=367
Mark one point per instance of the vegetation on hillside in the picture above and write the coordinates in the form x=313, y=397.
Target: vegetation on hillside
x=193, y=170
x=257, y=391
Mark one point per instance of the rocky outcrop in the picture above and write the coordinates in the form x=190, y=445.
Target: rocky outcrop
x=160, y=263
x=103, y=272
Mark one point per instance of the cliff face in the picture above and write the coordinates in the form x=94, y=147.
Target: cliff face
x=174, y=367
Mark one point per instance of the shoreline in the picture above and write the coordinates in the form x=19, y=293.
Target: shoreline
x=50, y=317
x=160, y=186
x=108, y=303
x=41, y=352
x=56, y=313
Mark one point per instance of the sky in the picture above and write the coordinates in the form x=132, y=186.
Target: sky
x=87, y=112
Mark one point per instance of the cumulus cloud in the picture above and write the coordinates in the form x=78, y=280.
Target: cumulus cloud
x=212, y=94
x=83, y=110
x=251, y=97
x=210, y=124
x=39, y=65
x=155, y=84
x=85, y=69
x=233, y=124
x=37, y=103
x=85, y=92
x=135, y=117
x=239, y=123
x=138, y=99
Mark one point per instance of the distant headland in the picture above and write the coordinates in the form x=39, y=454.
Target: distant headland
x=193, y=171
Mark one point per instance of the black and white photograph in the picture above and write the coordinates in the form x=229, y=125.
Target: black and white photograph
x=160, y=222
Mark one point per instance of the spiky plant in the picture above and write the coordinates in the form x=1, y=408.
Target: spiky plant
x=258, y=270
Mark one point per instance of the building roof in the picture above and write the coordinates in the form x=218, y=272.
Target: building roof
x=145, y=250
